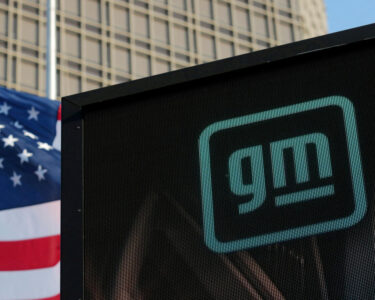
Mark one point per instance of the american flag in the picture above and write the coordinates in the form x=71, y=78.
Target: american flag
x=29, y=196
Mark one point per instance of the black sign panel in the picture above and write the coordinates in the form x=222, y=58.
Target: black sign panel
x=247, y=178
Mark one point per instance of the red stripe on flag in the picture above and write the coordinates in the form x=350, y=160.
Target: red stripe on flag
x=30, y=254
x=57, y=297
x=59, y=113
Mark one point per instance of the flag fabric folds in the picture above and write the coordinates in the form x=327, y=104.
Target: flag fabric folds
x=29, y=196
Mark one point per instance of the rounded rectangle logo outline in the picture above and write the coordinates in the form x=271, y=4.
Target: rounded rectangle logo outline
x=356, y=172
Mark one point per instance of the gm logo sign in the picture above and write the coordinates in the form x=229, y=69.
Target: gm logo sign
x=281, y=174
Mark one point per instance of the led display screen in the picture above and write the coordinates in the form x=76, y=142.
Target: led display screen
x=244, y=182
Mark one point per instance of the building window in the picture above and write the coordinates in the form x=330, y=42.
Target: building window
x=142, y=65
x=92, y=85
x=71, y=84
x=161, y=32
x=285, y=32
x=58, y=39
x=282, y=3
x=30, y=9
x=259, y=5
x=43, y=35
x=93, y=72
x=205, y=8
x=72, y=65
x=224, y=13
x=226, y=49
x=243, y=50
x=3, y=67
x=73, y=7
x=14, y=70
x=3, y=23
x=207, y=43
x=108, y=55
x=180, y=37
x=15, y=26
x=182, y=57
x=120, y=79
x=93, y=12
x=262, y=44
x=29, y=31
x=161, y=66
x=162, y=51
x=26, y=51
x=121, y=18
x=107, y=14
x=93, y=51
x=143, y=45
x=121, y=59
x=242, y=18
x=73, y=44
x=261, y=25
x=285, y=14
x=180, y=4
x=42, y=79
x=141, y=25
x=29, y=74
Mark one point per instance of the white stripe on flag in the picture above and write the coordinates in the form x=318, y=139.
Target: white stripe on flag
x=31, y=284
x=57, y=141
x=30, y=222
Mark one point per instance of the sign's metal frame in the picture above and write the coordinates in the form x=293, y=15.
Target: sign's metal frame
x=73, y=116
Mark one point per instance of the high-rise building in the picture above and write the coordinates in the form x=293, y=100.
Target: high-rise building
x=103, y=42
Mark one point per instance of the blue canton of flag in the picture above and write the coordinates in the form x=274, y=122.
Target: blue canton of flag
x=29, y=196
x=30, y=167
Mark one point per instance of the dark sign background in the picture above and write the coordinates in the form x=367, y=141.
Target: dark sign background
x=269, y=218
x=141, y=192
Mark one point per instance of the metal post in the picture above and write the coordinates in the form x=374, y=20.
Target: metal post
x=51, y=50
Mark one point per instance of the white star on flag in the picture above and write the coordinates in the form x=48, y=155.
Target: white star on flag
x=33, y=114
x=4, y=109
x=44, y=146
x=2, y=126
x=40, y=173
x=30, y=135
x=1, y=163
x=9, y=141
x=24, y=156
x=16, y=179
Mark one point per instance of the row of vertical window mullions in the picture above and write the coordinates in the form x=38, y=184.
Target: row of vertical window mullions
x=31, y=78
x=212, y=52
x=181, y=33
x=93, y=9
x=144, y=25
x=139, y=64
x=70, y=83
x=81, y=60
x=141, y=22
x=143, y=63
x=32, y=30
x=22, y=53
x=178, y=29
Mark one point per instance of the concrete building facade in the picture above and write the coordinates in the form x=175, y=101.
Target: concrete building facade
x=104, y=42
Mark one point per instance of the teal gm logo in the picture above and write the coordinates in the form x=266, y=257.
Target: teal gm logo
x=281, y=174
